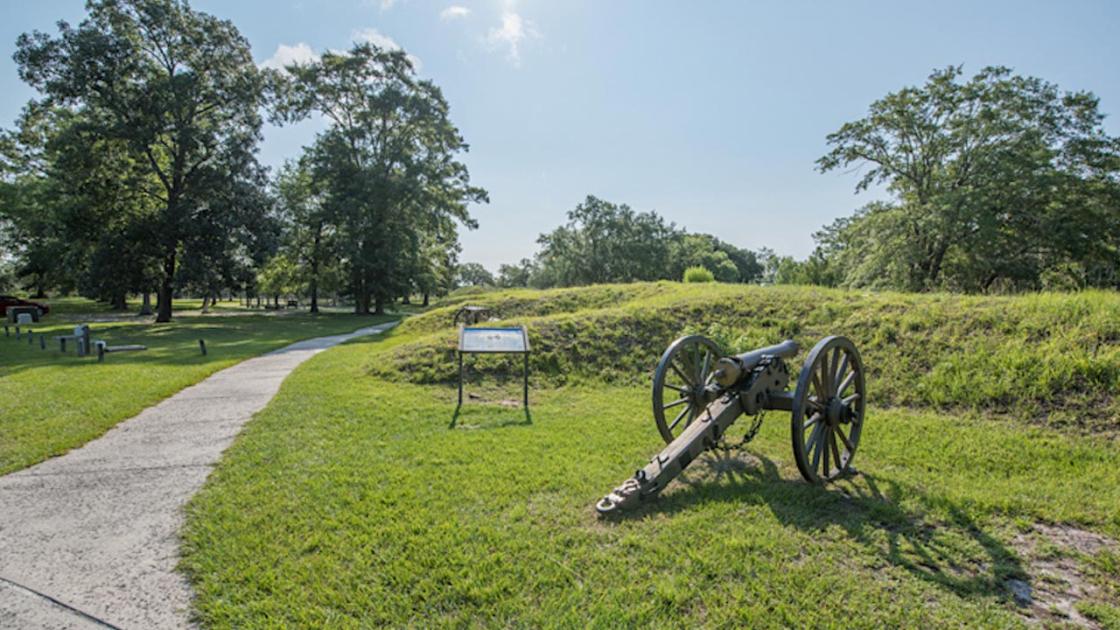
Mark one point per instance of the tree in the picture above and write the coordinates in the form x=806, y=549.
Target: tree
x=701, y=250
x=606, y=242
x=280, y=276
x=996, y=178
x=309, y=233
x=386, y=167
x=474, y=275
x=519, y=275
x=178, y=86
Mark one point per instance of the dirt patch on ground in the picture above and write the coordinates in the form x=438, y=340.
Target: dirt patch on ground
x=1056, y=559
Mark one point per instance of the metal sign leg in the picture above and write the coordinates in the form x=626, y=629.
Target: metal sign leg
x=460, y=379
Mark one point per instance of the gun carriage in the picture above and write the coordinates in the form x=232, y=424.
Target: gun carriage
x=699, y=392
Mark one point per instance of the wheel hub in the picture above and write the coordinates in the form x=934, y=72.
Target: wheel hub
x=836, y=412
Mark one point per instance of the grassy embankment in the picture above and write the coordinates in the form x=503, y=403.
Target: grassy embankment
x=51, y=402
x=989, y=457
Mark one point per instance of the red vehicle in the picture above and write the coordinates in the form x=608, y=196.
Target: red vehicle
x=8, y=301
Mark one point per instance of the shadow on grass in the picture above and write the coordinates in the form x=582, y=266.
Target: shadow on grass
x=490, y=423
x=935, y=540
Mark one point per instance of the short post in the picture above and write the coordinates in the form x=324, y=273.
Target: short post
x=17, y=332
x=5, y=330
x=202, y=346
x=100, y=353
x=42, y=342
x=82, y=333
x=62, y=345
x=30, y=336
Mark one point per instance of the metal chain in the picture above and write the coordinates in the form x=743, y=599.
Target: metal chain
x=747, y=437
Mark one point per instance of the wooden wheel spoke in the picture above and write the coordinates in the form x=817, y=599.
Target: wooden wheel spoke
x=821, y=393
x=811, y=445
x=813, y=403
x=703, y=376
x=835, y=451
x=838, y=375
x=811, y=421
x=846, y=383
x=679, y=416
x=680, y=388
x=851, y=399
x=824, y=446
x=847, y=442
x=679, y=401
x=680, y=373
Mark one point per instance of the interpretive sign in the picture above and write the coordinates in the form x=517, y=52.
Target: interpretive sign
x=491, y=340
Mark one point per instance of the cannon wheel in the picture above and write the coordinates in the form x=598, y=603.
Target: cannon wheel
x=828, y=409
x=683, y=372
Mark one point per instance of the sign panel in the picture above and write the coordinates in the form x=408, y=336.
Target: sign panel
x=493, y=340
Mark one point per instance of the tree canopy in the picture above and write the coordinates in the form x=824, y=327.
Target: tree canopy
x=178, y=89
x=997, y=179
x=385, y=171
x=136, y=171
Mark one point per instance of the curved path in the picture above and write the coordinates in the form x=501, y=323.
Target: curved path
x=90, y=539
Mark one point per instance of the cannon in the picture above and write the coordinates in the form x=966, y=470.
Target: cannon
x=699, y=392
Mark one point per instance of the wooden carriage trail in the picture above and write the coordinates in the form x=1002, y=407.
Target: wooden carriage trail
x=90, y=539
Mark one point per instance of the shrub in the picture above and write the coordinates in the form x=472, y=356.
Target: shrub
x=698, y=274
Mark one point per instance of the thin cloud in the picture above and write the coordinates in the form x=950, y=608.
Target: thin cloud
x=286, y=55
x=454, y=12
x=513, y=31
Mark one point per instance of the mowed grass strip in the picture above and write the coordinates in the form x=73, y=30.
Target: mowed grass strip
x=351, y=502
x=51, y=402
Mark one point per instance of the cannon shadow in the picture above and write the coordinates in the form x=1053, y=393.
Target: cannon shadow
x=950, y=550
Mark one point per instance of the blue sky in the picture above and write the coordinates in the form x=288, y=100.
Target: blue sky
x=711, y=113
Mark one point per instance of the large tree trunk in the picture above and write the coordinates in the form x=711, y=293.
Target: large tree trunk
x=378, y=306
x=118, y=302
x=205, y=303
x=425, y=299
x=166, y=286
x=146, y=305
x=361, y=293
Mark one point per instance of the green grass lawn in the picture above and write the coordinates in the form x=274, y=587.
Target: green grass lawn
x=351, y=501
x=52, y=402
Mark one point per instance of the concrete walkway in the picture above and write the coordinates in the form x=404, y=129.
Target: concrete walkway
x=90, y=539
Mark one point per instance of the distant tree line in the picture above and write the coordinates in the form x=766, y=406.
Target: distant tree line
x=607, y=242
x=136, y=171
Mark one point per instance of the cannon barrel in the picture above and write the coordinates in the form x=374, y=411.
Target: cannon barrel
x=750, y=360
x=729, y=370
